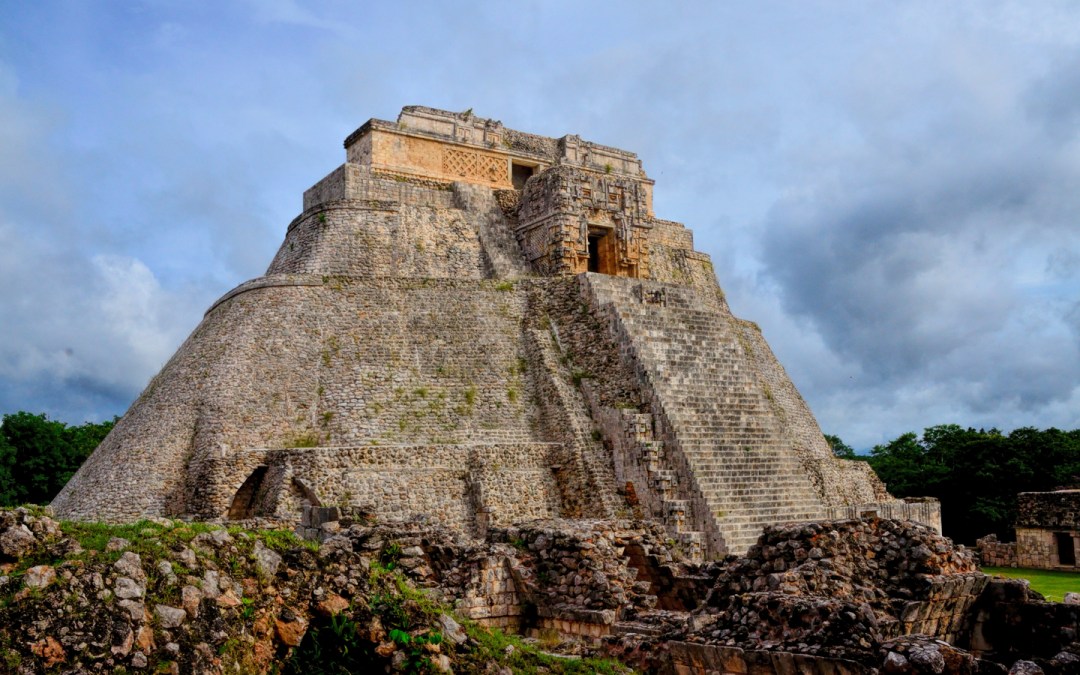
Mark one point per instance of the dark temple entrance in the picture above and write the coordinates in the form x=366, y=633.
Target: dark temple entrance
x=1066, y=553
x=519, y=173
x=602, y=250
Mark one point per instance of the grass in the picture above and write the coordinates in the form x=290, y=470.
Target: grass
x=1053, y=584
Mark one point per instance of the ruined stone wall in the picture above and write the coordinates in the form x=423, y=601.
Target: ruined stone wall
x=994, y=553
x=924, y=510
x=1058, y=510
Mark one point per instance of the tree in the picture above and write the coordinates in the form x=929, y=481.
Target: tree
x=976, y=474
x=840, y=448
x=38, y=455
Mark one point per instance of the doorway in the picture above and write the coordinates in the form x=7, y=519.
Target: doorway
x=519, y=174
x=602, y=250
x=1066, y=552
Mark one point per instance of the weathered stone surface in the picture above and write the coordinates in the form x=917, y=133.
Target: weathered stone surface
x=130, y=565
x=128, y=588
x=266, y=560
x=17, y=541
x=39, y=576
x=443, y=360
x=170, y=617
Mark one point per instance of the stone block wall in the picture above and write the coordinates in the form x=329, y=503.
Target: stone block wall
x=453, y=484
x=364, y=238
x=923, y=510
x=318, y=362
x=1057, y=510
x=688, y=658
x=1011, y=621
x=354, y=182
x=1040, y=548
x=994, y=553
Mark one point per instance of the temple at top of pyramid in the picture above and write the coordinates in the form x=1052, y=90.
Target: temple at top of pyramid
x=485, y=327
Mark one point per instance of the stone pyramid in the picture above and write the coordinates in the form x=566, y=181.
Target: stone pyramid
x=484, y=326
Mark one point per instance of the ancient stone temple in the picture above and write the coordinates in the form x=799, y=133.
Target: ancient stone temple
x=485, y=326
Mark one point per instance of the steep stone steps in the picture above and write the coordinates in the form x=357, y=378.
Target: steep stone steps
x=717, y=416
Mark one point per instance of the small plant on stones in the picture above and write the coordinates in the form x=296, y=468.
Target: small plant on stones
x=413, y=646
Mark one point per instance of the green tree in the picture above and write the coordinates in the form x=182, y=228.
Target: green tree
x=976, y=474
x=38, y=455
x=840, y=448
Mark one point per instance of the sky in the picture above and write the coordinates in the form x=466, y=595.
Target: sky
x=891, y=190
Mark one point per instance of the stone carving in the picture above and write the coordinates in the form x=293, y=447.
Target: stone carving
x=432, y=340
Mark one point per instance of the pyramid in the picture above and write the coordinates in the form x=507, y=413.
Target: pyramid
x=482, y=326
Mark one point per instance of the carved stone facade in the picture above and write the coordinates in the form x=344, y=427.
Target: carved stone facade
x=587, y=208
x=487, y=327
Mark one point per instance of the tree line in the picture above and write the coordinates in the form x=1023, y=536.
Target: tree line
x=976, y=474
x=38, y=455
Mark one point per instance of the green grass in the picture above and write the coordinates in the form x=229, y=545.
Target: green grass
x=1051, y=583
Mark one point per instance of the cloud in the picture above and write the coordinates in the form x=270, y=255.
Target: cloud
x=937, y=251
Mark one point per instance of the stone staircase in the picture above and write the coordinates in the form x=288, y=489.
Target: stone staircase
x=663, y=483
x=710, y=408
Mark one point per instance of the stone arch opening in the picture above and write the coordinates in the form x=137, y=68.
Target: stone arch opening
x=246, y=499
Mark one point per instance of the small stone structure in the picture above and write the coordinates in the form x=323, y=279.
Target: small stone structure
x=1047, y=533
x=488, y=327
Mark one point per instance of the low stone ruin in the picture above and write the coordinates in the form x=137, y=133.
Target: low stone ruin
x=848, y=596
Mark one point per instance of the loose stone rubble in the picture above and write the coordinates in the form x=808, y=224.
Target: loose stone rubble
x=848, y=596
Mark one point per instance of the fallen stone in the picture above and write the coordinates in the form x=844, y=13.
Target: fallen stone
x=190, y=597
x=117, y=544
x=452, y=630
x=290, y=632
x=267, y=560
x=332, y=605
x=39, y=576
x=128, y=588
x=895, y=663
x=17, y=541
x=170, y=617
x=130, y=565
x=1025, y=668
x=136, y=610
x=49, y=650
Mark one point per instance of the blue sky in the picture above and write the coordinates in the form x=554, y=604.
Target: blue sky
x=890, y=189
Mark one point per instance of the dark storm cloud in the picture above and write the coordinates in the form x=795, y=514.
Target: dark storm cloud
x=927, y=253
